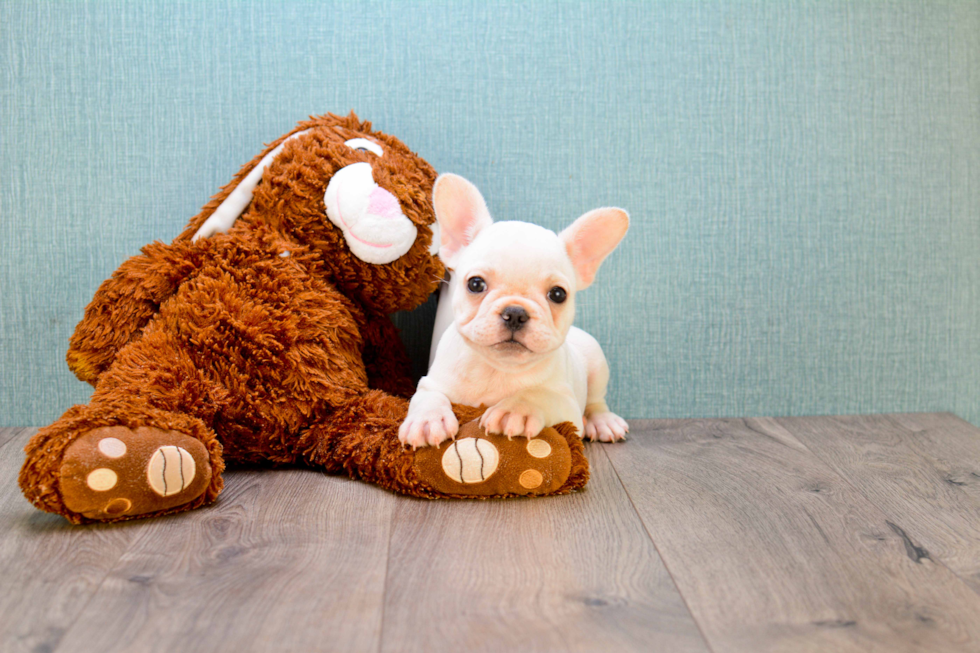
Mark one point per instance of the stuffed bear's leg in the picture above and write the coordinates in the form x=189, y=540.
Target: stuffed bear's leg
x=361, y=440
x=140, y=448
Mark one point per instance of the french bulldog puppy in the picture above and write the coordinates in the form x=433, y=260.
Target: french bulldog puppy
x=511, y=345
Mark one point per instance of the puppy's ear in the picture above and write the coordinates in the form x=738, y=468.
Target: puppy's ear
x=461, y=213
x=591, y=238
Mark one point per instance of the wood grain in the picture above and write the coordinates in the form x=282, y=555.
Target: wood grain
x=923, y=471
x=20, y=433
x=288, y=560
x=803, y=534
x=49, y=569
x=572, y=573
x=773, y=551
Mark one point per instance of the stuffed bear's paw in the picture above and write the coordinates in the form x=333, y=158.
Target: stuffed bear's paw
x=513, y=416
x=114, y=472
x=430, y=426
x=480, y=464
x=606, y=427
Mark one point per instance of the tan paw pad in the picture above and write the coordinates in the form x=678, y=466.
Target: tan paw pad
x=102, y=479
x=470, y=460
x=112, y=447
x=538, y=448
x=531, y=478
x=170, y=470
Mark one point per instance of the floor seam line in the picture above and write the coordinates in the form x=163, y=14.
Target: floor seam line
x=660, y=555
x=384, y=593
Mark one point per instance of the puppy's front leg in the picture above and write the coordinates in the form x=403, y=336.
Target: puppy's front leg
x=529, y=411
x=430, y=420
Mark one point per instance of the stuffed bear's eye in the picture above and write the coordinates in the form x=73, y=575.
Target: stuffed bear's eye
x=476, y=285
x=557, y=295
x=364, y=145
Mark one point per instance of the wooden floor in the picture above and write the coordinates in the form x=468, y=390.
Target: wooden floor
x=804, y=534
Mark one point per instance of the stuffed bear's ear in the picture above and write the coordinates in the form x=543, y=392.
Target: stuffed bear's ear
x=591, y=238
x=223, y=217
x=461, y=214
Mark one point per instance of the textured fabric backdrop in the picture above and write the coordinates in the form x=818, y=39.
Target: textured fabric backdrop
x=804, y=178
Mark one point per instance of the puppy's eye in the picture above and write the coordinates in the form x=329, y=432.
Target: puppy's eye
x=476, y=285
x=557, y=295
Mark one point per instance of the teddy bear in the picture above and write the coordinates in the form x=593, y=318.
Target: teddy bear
x=262, y=335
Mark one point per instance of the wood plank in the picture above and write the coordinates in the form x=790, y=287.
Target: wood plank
x=773, y=551
x=8, y=433
x=569, y=573
x=289, y=560
x=49, y=568
x=923, y=471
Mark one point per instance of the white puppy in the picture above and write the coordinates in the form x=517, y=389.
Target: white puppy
x=511, y=345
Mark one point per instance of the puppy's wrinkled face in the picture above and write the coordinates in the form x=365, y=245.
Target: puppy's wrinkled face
x=515, y=282
x=514, y=299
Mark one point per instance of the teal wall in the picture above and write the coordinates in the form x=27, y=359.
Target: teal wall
x=804, y=177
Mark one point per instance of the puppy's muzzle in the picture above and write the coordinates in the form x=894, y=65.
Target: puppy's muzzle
x=514, y=318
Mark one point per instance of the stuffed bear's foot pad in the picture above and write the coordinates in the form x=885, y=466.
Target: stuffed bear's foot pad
x=115, y=472
x=478, y=464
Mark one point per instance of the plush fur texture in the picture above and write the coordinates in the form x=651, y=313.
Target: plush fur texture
x=270, y=343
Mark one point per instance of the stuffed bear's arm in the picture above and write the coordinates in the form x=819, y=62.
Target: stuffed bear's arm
x=125, y=302
x=388, y=365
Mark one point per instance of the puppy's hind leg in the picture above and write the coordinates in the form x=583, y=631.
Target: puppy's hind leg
x=600, y=423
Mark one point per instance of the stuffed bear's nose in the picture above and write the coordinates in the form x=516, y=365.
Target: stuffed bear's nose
x=383, y=204
x=514, y=317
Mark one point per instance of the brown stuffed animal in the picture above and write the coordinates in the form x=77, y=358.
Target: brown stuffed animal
x=261, y=335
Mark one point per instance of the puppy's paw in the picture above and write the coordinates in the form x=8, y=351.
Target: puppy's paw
x=431, y=427
x=513, y=416
x=606, y=427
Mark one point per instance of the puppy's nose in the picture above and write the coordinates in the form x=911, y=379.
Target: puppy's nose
x=514, y=317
